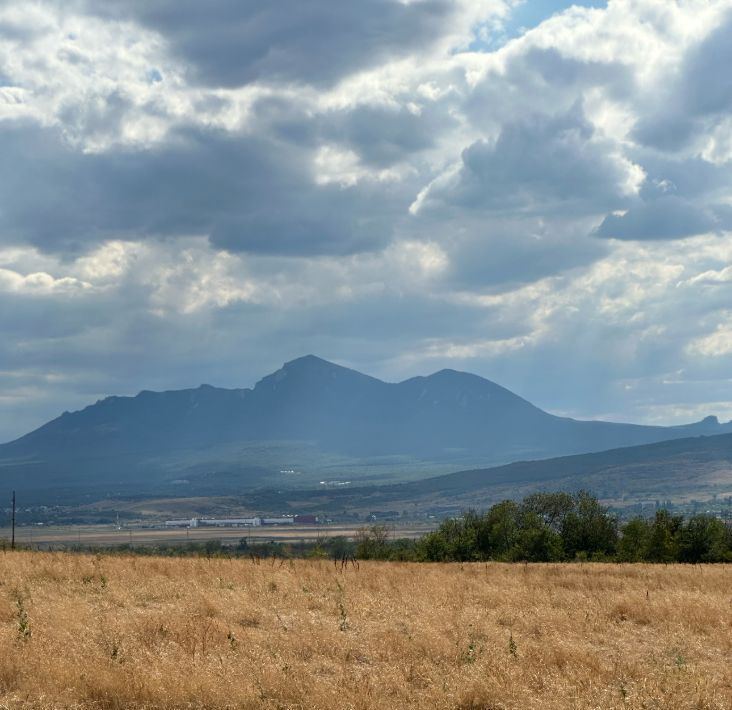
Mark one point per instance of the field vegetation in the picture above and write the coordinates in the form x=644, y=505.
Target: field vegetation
x=122, y=631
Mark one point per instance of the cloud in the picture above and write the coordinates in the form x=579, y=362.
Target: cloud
x=668, y=217
x=384, y=135
x=697, y=99
x=247, y=194
x=522, y=207
x=544, y=79
x=499, y=253
x=681, y=196
x=538, y=164
x=316, y=42
x=716, y=344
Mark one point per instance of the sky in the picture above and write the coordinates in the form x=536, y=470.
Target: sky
x=536, y=192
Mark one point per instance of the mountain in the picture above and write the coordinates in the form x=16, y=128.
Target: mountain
x=311, y=418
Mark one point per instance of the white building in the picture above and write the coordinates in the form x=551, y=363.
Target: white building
x=192, y=523
x=230, y=522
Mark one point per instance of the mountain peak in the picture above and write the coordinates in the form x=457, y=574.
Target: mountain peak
x=314, y=366
x=311, y=371
x=450, y=374
x=454, y=378
x=446, y=372
x=308, y=361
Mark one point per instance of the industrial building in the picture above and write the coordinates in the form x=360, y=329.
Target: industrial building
x=242, y=522
x=190, y=523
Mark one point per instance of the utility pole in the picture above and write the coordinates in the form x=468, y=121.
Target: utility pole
x=12, y=534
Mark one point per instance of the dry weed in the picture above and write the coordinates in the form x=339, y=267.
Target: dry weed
x=126, y=632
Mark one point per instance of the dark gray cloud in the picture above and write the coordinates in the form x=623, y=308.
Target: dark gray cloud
x=693, y=177
x=235, y=42
x=496, y=254
x=540, y=163
x=379, y=134
x=384, y=135
x=245, y=192
x=706, y=81
x=668, y=217
x=680, y=197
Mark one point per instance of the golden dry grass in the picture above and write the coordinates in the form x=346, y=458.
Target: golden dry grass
x=116, y=632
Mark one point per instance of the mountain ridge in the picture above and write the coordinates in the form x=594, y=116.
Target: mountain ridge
x=332, y=368
x=315, y=368
x=345, y=421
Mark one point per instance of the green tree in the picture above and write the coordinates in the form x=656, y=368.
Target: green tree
x=633, y=545
x=662, y=542
x=499, y=531
x=704, y=539
x=589, y=530
x=432, y=548
x=459, y=539
x=537, y=542
x=372, y=543
x=552, y=508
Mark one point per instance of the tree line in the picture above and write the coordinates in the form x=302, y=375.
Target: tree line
x=543, y=527
x=555, y=527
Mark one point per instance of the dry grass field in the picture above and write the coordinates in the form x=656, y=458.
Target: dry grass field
x=127, y=632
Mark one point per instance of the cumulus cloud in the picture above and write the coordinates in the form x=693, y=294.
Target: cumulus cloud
x=383, y=135
x=316, y=42
x=538, y=165
x=245, y=193
x=495, y=254
x=667, y=217
x=697, y=99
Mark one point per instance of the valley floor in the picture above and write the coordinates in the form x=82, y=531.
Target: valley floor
x=119, y=632
x=65, y=536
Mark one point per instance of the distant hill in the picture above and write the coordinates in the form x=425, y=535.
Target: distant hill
x=680, y=470
x=322, y=419
x=698, y=467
